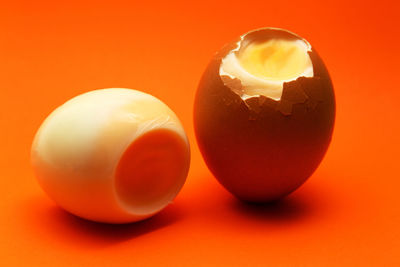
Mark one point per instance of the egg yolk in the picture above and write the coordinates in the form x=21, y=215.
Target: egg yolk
x=274, y=59
x=147, y=173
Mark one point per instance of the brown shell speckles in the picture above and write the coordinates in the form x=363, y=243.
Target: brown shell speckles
x=261, y=149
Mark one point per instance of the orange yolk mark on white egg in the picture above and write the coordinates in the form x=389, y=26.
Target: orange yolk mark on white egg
x=147, y=172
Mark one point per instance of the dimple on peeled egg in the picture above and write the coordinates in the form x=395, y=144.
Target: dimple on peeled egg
x=264, y=114
x=111, y=155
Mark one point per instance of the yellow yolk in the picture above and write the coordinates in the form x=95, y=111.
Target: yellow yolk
x=274, y=59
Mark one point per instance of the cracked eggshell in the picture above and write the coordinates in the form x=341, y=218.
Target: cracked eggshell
x=261, y=149
x=111, y=155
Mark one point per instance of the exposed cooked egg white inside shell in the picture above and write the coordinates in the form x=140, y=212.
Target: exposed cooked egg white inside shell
x=263, y=66
x=111, y=155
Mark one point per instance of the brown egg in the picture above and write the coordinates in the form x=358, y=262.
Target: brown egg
x=264, y=114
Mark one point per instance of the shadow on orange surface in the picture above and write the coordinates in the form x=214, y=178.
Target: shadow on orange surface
x=211, y=207
x=212, y=204
x=288, y=209
x=53, y=223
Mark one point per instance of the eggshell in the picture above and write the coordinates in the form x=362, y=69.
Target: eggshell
x=261, y=149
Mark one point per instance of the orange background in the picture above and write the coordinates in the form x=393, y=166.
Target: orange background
x=348, y=213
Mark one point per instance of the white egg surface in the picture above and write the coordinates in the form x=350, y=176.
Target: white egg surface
x=111, y=155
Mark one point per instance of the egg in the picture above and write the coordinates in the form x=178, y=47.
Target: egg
x=264, y=114
x=111, y=155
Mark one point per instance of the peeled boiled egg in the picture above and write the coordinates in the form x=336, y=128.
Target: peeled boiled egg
x=264, y=114
x=111, y=155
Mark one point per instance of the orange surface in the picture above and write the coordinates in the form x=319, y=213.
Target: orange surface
x=348, y=213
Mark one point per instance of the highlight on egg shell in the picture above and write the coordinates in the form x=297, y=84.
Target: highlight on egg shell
x=111, y=155
x=264, y=114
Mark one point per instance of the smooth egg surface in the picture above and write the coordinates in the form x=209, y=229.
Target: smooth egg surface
x=111, y=155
